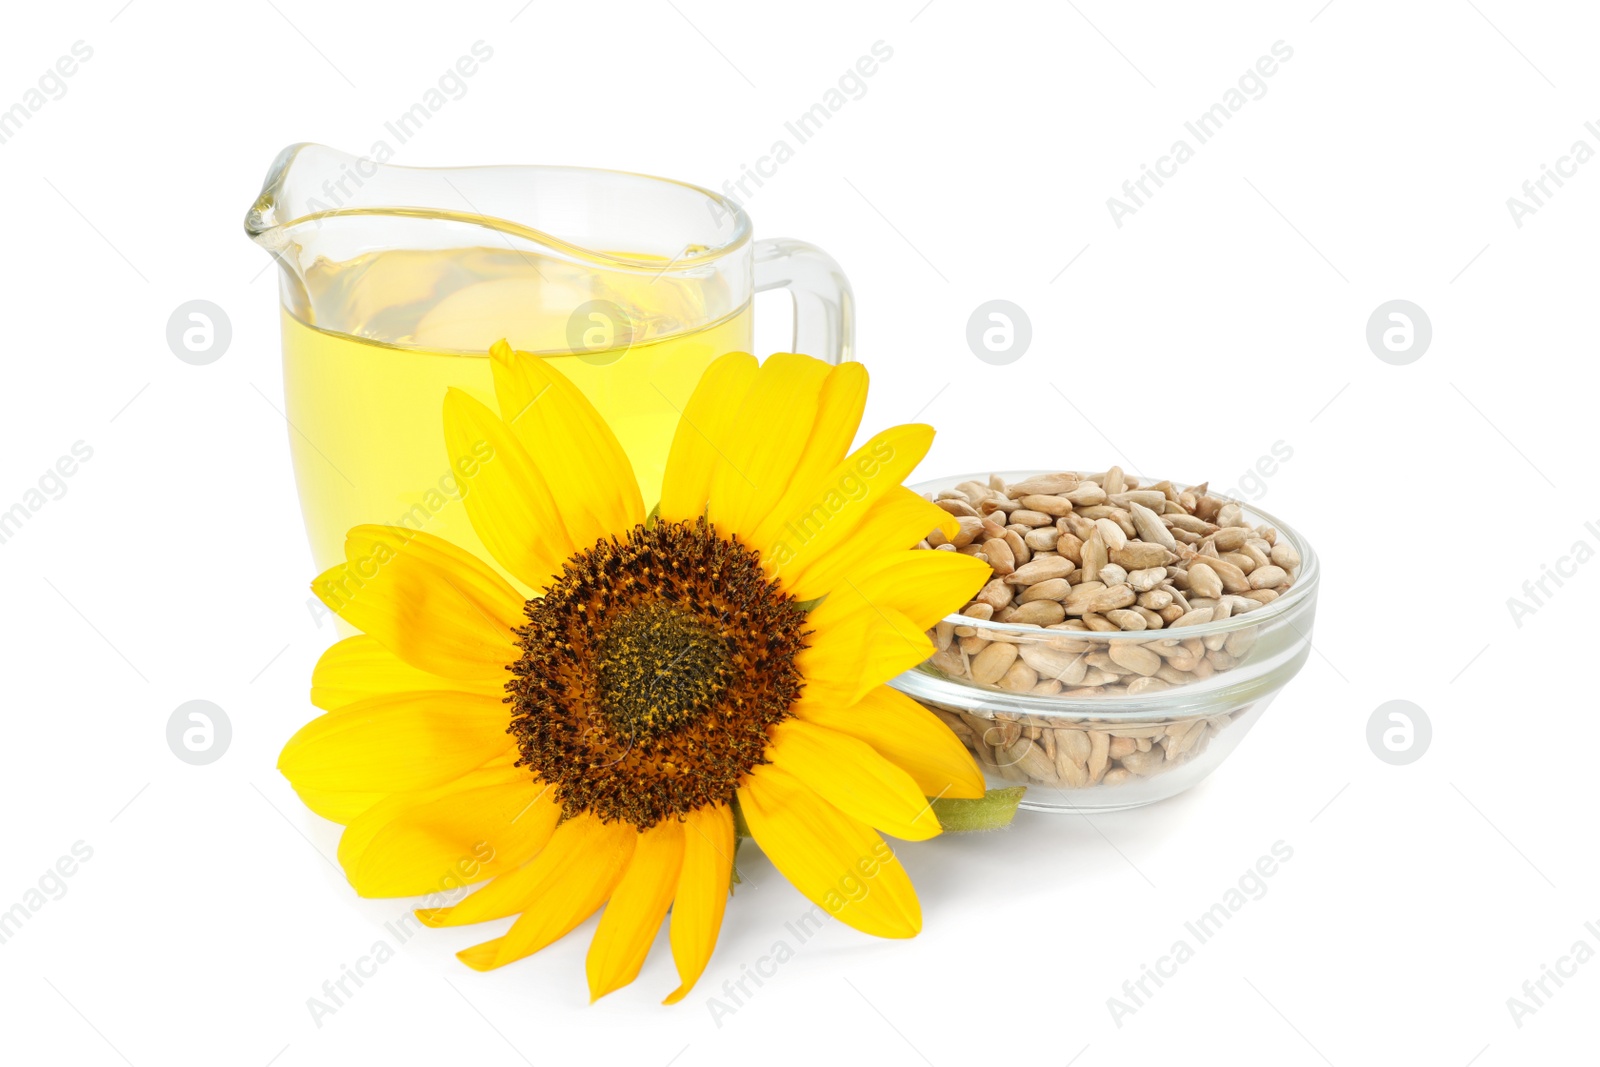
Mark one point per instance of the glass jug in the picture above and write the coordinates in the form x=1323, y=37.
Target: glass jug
x=396, y=280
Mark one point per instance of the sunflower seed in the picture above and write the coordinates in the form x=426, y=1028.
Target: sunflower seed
x=1135, y=657
x=1146, y=579
x=1046, y=484
x=1094, y=556
x=996, y=593
x=1039, y=570
x=1065, y=667
x=1269, y=577
x=1049, y=589
x=1099, y=754
x=999, y=555
x=1113, y=574
x=1127, y=619
x=1098, y=598
x=1042, y=539
x=1054, y=506
x=1140, y=555
x=1204, y=581
x=1150, y=526
x=1111, y=534
x=1036, y=613
x=989, y=665
x=1086, y=494
x=1019, y=678
x=1194, y=617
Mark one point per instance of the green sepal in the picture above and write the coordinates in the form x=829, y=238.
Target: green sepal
x=992, y=811
x=741, y=830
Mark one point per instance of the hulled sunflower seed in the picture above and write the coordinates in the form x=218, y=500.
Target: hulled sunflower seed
x=1040, y=570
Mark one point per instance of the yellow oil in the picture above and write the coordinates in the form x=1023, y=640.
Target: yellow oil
x=365, y=383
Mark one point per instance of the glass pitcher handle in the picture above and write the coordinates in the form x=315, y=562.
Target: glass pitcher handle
x=824, y=307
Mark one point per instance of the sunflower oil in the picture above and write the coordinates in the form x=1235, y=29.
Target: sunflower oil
x=365, y=381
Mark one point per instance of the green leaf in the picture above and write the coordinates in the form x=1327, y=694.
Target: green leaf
x=993, y=811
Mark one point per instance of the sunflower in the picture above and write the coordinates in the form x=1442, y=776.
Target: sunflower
x=588, y=746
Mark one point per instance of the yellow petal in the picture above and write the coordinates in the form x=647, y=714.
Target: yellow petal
x=579, y=456
x=857, y=645
x=702, y=434
x=765, y=444
x=924, y=586
x=702, y=893
x=908, y=735
x=579, y=869
x=338, y=806
x=839, y=407
x=836, y=862
x=359, y=667
x=897, y=521
x=510, y=892
x=830, y=516
x=508, y=501
x=358, y=835
x=439, y=609
x=635, y=910
x=396, y=743
x=849, y=774
x=504, y=895
x=455, y=839
x=345, y=806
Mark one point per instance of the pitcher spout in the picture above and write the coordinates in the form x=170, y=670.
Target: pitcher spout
x=319, y=206
x=345, y=227
x=280, y=204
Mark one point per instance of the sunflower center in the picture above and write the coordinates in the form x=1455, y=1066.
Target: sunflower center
x=660, y=667
x=651, y=671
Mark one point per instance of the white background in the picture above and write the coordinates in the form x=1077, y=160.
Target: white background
x=1226, y=315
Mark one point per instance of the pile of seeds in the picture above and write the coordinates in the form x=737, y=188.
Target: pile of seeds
x=1081, y=552
x=1021, y=748
x=1099, y=553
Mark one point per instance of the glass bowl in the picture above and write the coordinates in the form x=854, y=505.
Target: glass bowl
x=1140, y=716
